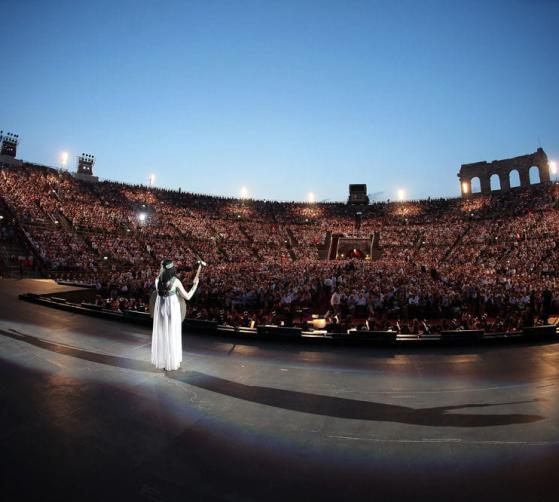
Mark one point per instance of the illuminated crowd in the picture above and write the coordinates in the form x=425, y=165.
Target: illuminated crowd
x=486, y=262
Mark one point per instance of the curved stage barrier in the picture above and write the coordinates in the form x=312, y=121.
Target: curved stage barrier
x=528, y=333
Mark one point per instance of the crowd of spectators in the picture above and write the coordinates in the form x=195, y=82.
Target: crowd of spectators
x=486, y=262
x=12, y=255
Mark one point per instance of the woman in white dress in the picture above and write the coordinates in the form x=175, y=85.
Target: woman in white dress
x=166, y=342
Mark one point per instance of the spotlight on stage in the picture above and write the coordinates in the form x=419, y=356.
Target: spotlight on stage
x=318, y=323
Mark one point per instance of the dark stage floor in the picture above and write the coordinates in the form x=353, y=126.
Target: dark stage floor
x=86, y=417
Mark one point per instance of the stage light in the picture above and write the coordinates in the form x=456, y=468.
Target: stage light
x=464, y=187
x=64, y=158
x=401, y=194
x=151, y=179
x=319, y=323
x=553, y=167
x=142, y=217
x=311, y=197
x=244, y=193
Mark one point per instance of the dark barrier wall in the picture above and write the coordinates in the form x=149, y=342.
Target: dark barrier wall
x=279, y=332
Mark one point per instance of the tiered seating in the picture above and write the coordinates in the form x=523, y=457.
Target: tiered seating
x=463, y=260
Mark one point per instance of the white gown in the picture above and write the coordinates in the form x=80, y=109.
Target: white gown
x=166, y=341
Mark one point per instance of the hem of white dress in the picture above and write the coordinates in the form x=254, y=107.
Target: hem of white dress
x=164, y=368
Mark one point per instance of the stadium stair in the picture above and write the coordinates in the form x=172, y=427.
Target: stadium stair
x=455, y=243
x=22, y=239
x=376, y=251
x=189, y=238
x=333, y=247
x=504, y=253
x=14, y=249
x=292, y=254
x=246, y=233
x=251, y=245
x=64, y=222
x=324, y=248
x=294, y=242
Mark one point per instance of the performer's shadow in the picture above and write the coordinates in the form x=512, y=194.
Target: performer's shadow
x=304, y=402
x=340, y=407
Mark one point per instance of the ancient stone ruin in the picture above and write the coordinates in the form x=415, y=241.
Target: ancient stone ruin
x=502, y=175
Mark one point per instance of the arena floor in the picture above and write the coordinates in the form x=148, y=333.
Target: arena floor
x=86, y=417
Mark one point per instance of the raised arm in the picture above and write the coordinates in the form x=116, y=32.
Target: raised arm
x=189, y=294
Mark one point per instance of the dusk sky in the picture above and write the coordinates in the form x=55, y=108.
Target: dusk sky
x=283, y=97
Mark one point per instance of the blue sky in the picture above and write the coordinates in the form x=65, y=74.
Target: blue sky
x=283, y=97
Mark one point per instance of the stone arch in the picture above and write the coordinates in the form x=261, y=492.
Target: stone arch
x=495, y=182
x=475, y=185
x=503, y=168
x=534, y=175
x=514, y=178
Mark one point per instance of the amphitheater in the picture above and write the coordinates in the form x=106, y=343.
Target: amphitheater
x=483, y=260
x=264, y=406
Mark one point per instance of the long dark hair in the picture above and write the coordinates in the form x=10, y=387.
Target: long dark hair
x=168, y=271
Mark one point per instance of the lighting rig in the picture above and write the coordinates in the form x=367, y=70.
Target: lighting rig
x=8, y=142
x=85, y=164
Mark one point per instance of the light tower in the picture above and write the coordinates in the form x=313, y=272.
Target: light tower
x=8, y=144
x=85, y=164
